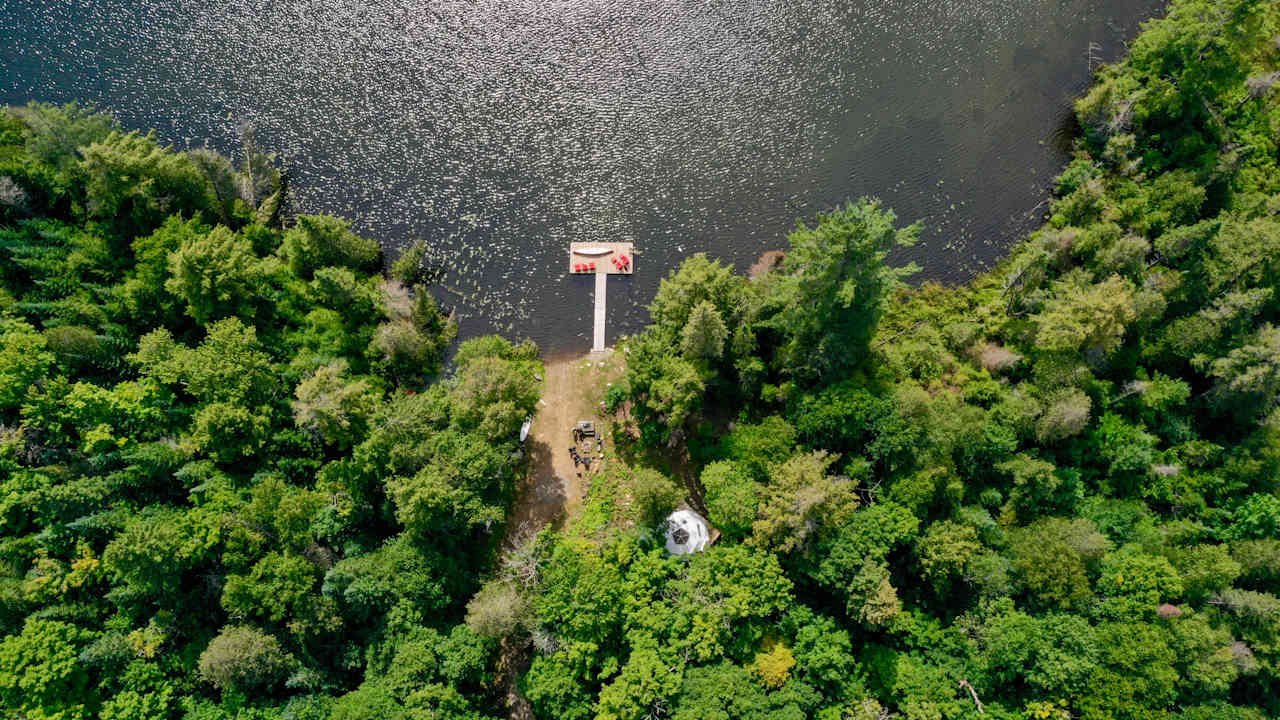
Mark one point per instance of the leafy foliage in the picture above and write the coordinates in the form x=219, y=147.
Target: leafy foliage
x=236, y=480
x=1048, y=494
x=222, y=496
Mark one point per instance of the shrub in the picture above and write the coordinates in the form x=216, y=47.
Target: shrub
x=653, y=495
x=498, y=610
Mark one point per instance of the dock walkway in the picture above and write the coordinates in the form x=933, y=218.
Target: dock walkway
x=597, y=344
x=600, y=257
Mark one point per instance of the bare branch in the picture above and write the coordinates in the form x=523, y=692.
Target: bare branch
x=974, y=693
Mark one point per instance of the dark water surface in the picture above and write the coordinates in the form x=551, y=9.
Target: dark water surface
x=502, y=131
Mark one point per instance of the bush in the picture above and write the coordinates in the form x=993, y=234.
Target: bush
x=653, y=496
x=498, y=610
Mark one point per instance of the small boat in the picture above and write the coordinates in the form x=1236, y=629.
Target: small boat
x=524, y=429
x=593, y=251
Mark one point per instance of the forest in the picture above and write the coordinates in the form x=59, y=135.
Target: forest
x=246, y=472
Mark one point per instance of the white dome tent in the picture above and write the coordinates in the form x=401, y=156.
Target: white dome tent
x=686, y=532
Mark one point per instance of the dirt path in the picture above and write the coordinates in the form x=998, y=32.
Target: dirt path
x=571, y=391
x=552, y=484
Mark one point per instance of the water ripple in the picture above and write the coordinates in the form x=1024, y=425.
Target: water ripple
x=503, y=130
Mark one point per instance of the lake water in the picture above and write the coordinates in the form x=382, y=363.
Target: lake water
x=501, y=131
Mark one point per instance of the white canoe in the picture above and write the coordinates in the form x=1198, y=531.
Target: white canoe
x=592, y=251
x=524, y=429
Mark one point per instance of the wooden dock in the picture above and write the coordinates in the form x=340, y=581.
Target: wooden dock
x=601, y=259
x=603, y=255
x=597, y=344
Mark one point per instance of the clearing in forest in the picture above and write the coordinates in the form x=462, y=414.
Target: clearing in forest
x=554, y=488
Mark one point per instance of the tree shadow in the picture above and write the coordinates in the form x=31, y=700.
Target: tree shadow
x=540, y=496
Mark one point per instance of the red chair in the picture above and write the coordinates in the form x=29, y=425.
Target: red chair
x=592, y=267
x=577, y=268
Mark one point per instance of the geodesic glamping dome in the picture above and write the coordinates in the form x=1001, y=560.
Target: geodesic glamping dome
x=687, y=533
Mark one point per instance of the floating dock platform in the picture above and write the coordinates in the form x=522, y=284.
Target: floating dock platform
x=609, y=258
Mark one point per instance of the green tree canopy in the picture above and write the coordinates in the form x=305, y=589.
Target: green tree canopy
x=834, y=285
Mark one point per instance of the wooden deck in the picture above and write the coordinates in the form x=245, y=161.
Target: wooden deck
x=603, y=261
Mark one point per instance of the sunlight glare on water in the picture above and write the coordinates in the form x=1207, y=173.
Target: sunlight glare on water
x=501, y=131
